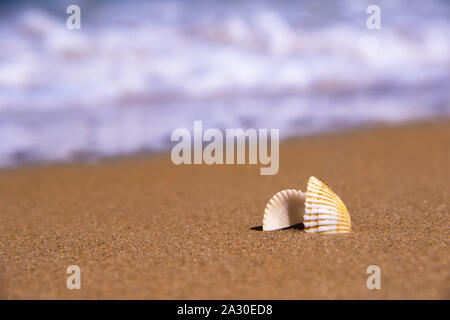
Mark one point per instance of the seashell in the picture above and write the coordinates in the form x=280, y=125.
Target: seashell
x=285, y=209
x=324, y=210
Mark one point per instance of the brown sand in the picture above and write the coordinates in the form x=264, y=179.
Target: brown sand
x=145, y=228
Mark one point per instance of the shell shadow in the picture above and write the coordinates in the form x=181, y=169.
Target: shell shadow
x=298, y=226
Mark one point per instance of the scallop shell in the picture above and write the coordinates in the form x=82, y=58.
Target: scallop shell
x=285, y=209
x=324, y=210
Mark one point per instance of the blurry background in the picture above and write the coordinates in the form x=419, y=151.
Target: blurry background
x=137, y=70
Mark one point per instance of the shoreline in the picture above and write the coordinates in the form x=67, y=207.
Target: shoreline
x=100, y=159
x=142, y=228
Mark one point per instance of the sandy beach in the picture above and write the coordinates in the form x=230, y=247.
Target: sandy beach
x=144, y=228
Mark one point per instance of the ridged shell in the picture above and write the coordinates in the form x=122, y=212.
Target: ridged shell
x=285, y=209
x=324, y=210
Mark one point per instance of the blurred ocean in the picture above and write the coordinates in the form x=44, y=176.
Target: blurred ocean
x=137, y=70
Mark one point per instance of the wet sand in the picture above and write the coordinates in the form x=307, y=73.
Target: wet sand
x=144, y=228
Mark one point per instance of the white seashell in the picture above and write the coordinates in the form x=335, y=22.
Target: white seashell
x=324, y=210
x=285, y=209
